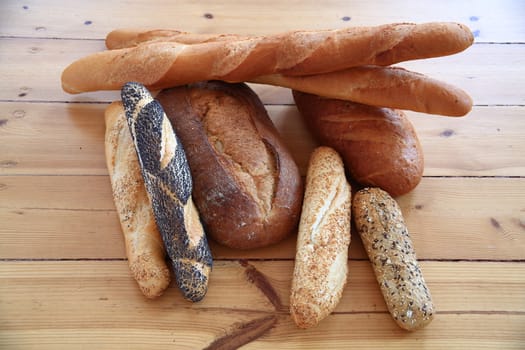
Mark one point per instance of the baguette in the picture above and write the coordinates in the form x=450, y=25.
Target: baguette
x=320, y=270
x=379, y=221
x=129, y=37
x=247, y=186
x=144, y=247
x=379, y=146
x=392, y=87
x=168, y=183
x=166, y=64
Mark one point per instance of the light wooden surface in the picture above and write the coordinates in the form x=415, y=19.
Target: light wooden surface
x=64, y=280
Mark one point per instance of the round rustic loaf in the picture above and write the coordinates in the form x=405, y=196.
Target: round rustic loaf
x=247, y=187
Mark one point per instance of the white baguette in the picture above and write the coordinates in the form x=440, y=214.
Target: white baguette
x=320, y=270
x=144, y=247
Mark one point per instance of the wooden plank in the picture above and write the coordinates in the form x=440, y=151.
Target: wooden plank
x=60, y=234
x=24, y=80
x=502, y=23
x=82, y=300
x=479, y=144
x=502, y=332
x=54, y=138
x=485, y=219
x=464, y=287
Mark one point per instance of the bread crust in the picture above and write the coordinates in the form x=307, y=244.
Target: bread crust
x=144, y=247
x=379, y=146
x=247, y=186
x=130, y=37
x=320, y=270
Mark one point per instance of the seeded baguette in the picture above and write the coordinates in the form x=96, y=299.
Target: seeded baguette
x=320, y=270
x=144, y=247
x=168, y=181
x=379, y=222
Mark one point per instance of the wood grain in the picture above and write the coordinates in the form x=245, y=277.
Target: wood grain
x=109, y=282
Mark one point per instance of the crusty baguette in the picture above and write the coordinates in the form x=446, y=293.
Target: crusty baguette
x=392, y=87
x=379, y=146
x=320, y=270
x=247, y=187
x=144, y=247
x=129, y=37
x=166, y=64
x=379, y=221
x=168, y=183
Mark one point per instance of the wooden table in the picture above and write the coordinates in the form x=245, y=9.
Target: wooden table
x=64, y=279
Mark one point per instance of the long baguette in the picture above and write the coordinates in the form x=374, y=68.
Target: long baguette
x=129, y=37
x=144, y=247
x=168, y=183
x=166, y=64
x=392, y=87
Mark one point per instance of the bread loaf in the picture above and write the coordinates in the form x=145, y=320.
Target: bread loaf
x=392, y=87
x=378, y=145
x=168, y=183
x=144, y=247
x=160, y=64
x=379, y=221
x=247, y=186
x=320, y=270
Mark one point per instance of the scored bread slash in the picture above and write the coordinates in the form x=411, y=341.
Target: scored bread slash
x=168, y=183
x=379, y=222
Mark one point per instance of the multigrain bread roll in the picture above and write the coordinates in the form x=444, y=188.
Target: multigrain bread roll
x=144, y=247
x=247, y=186
x=168, y=182
x=159, y=64
x=378, y=145
x=379, y=221
x=320, y=270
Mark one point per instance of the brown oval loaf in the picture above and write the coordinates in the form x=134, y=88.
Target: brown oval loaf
x=379, y=146
x=247, y=186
